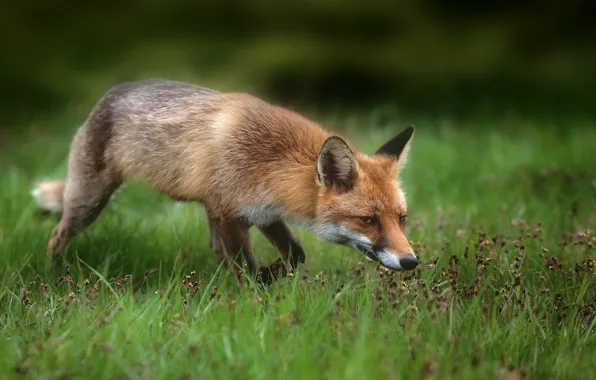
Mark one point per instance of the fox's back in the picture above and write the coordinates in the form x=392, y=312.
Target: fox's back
x=153, y=109
x=189, y=141
x=143, y=129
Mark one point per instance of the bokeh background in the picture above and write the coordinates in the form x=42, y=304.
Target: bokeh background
x=433, y=57
x=501, y=188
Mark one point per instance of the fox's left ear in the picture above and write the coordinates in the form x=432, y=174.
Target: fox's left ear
x=336, y=166
x=399, y=146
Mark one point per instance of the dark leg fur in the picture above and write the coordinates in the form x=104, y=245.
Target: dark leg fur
x=292, y=253
x=235, y=243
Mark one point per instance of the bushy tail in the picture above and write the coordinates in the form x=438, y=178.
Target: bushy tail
x=49, y=196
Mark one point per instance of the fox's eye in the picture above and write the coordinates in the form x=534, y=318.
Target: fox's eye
x=403, y=219
x=370, y=220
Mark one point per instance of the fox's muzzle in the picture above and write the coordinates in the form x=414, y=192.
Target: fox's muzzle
x=389, y=260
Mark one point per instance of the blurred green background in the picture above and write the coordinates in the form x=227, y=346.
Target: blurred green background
x=428, y=56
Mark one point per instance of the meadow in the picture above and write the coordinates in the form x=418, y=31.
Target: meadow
x=501, y=215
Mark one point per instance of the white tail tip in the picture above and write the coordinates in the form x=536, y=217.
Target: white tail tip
x=48, y=196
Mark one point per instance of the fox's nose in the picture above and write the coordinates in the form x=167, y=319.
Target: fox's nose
x=408, y=263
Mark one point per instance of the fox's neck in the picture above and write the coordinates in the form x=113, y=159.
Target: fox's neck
x=301, y=193
x=295, y=188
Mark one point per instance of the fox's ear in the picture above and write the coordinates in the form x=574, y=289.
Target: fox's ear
x=336, y=165
x=399, y=146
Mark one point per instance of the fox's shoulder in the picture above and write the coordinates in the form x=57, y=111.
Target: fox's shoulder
x=253, y=109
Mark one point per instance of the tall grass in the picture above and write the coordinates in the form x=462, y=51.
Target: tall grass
x=501, y=218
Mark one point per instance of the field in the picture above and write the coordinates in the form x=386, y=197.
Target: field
x=501, y=214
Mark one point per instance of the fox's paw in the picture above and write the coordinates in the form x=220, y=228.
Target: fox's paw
x=272, y=273
x=297, y=255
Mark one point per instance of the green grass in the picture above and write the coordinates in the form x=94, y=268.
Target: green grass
x=501, y=215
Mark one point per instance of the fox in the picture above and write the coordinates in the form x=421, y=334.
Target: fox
x=248, y=161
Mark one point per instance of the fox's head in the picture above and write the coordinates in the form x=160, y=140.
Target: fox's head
x=361, y=203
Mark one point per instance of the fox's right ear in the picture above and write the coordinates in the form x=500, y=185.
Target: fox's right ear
x=399, y=146
x=336, y=166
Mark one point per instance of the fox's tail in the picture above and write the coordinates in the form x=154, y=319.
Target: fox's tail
x=50, y=196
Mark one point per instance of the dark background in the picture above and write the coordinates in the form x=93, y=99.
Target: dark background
x=427, y=56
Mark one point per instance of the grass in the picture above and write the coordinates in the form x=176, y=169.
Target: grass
x=501, y=215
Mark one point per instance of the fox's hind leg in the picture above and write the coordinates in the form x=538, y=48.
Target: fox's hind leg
x=89, y=186
x=292, y=253
x=84, y=199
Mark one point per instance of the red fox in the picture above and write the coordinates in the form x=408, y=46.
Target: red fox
x=247, y=161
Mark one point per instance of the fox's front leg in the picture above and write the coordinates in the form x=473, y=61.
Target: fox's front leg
x=215, y=240
x=235, y=245
x=292, y=253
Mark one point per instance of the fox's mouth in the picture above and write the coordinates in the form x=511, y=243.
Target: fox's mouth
x=368, y=252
